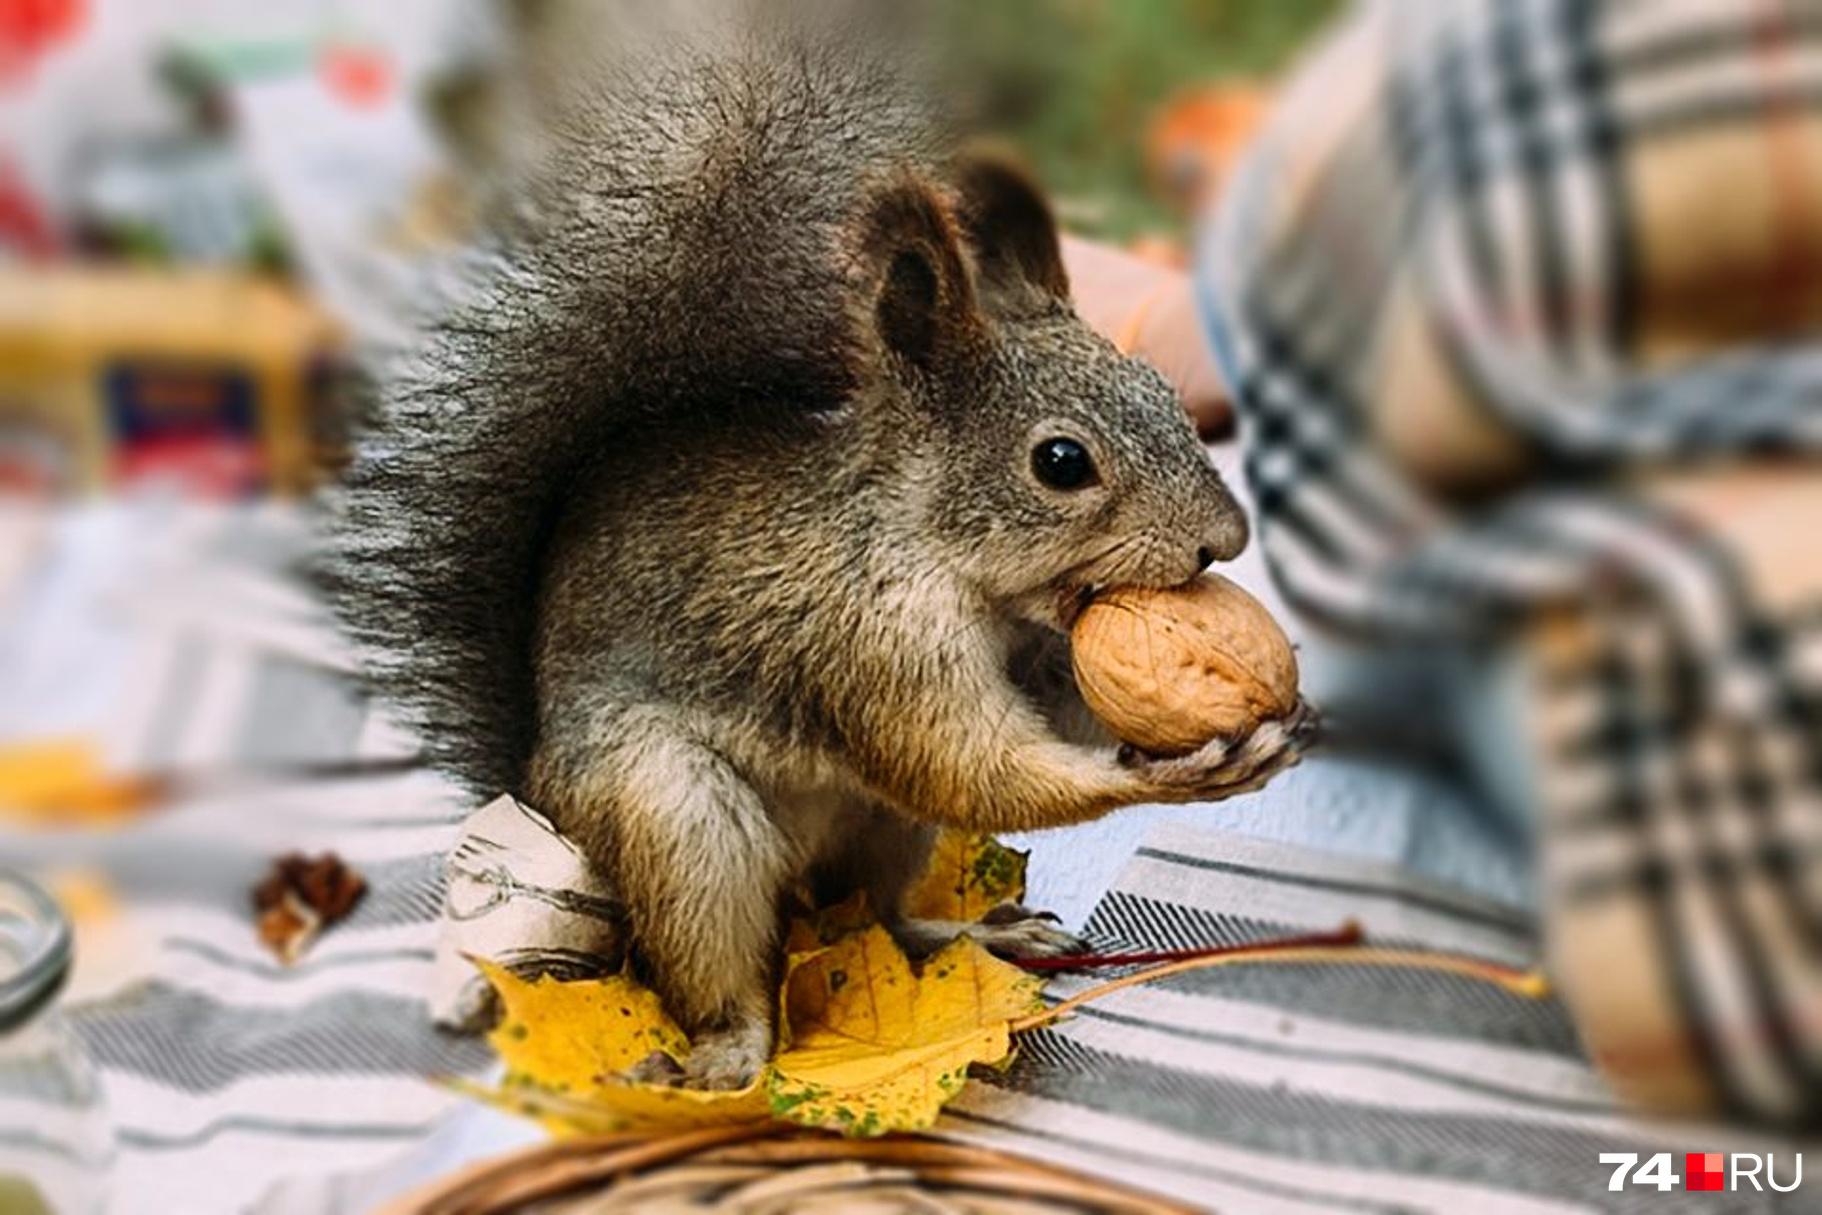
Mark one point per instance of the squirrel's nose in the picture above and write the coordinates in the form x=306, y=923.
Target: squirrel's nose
x=1223, y=534
x=1224, y=542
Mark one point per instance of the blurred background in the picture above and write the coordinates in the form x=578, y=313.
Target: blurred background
x=196, y=198
x=204, y=205
x=1128, y=111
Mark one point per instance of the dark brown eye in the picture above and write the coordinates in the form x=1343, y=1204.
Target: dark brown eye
x=1063, y=464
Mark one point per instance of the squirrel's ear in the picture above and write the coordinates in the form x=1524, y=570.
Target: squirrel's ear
x=1009, y=224
x=924, y=303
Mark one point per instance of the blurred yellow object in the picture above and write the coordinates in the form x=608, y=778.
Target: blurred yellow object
x=86, y=896
x=112, y=941
x=110, y=376
x=63, y=783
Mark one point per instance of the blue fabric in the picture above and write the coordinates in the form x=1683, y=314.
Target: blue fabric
x=1377, y=809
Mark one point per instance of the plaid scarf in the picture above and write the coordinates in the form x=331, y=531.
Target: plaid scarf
x=1502, y=286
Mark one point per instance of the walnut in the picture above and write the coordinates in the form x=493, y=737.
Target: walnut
x=299, y=897
x=1170, y=670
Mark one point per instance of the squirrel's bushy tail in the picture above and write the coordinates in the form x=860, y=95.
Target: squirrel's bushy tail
x=681, y=249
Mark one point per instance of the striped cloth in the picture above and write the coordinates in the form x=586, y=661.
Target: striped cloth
x=1503, y=290
x=224, y=1072
x=1321, y=1087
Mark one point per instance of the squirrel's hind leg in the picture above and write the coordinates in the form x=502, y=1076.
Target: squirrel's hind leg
x=1010, y=930
x=886, y=852
x=700, y=866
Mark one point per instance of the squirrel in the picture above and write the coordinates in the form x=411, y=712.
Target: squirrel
x=732, y=504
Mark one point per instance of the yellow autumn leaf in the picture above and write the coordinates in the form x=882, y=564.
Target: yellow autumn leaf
x=567, y=1045
x=621, y=1105
x=867, y=1044
x=968, y=876
x=570, y=1037
x=874, y=1047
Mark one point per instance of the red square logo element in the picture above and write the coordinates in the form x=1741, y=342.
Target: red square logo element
x=1703, y=1171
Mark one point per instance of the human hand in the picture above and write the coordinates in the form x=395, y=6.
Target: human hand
x=1150, y=311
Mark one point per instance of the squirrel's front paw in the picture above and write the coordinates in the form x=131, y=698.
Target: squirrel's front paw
x=725, y=1059
x=1225, y=767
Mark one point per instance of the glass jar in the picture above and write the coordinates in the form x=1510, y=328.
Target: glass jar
x=56, y=1145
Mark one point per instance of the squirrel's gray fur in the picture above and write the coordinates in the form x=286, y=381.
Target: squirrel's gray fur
x=703, y=515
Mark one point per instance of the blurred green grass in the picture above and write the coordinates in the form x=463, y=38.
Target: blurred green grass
x=1075, y=83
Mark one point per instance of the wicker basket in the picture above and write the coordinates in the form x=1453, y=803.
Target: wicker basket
x=768, y=1170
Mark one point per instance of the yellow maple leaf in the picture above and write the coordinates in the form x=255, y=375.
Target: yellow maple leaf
x=868, y=1045
x=874, y=1047
x=571, y=1036
x=567, y=1045
x=621, y=1105
x=968, y=876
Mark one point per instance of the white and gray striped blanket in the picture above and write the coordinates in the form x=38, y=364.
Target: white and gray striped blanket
x=174, y=638
x=1320, y=1087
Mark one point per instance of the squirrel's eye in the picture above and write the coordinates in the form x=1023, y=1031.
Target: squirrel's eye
x=1063, y=464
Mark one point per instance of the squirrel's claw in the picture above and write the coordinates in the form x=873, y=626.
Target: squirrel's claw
x=1226, y=767
x=1009, y=930
x=656, y=1068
